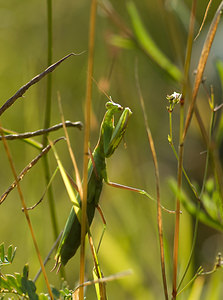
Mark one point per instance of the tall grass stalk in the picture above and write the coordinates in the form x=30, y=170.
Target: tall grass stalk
x=180, y=150
x=159, y=210
x=91, y=43
x=199, y=202
x=48, y=117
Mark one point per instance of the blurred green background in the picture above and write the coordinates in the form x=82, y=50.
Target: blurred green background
x=131, y=239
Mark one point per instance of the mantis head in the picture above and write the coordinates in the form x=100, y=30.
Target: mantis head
x=113, y=134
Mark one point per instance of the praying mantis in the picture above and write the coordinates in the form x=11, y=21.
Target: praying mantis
x=109, y=139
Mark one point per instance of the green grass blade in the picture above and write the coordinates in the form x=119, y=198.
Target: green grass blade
x=149, y=46
x=29, y=141
x=97, y=273
x=67, y=184
x=197, y=289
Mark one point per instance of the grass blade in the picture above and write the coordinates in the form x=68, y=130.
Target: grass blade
x=91, y=42
x=67, y=184
x=159, y=210
x=149, y=46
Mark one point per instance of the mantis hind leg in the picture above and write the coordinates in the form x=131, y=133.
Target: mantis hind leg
x=142, y=192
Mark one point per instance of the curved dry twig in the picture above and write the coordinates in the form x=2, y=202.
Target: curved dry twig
x=26, y=135
x=27, y=168
x=36, y=79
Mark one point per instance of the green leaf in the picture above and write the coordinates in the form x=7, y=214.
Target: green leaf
x=4, y=284
x=18, y=277
x=6, y=259
x=20, y=284
x=12, y=282
x=28, y=286
x=10, y=253
x=2, y=252
x=55, y=292
x=13, y=254
x=26, y=271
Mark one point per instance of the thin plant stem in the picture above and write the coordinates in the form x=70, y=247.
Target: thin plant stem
x=201, y=125
x=48, y=256
x=192, y=247
x=185, y=174
x=198, y=273
x=97, y=269
x=199, y=202
x=106, y=279
x=171, y=128
x=46, y=189
x=91, y=43
x=159, y=208
x=27, y=215
x=47, y=117
x=204, y=18
x=177, y=223
x=214, y=153
x=200, y=69
x=51, y=198
x=181, y=148
x=49, y=62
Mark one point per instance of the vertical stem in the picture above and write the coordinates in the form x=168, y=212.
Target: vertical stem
x=171, y=127
x=159, y=212
x=86, y=140
x=177, y=223
x=47, y=119
x=181, y=148
x=49, y=62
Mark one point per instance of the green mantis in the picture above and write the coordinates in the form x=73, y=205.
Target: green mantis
x=109, y=139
